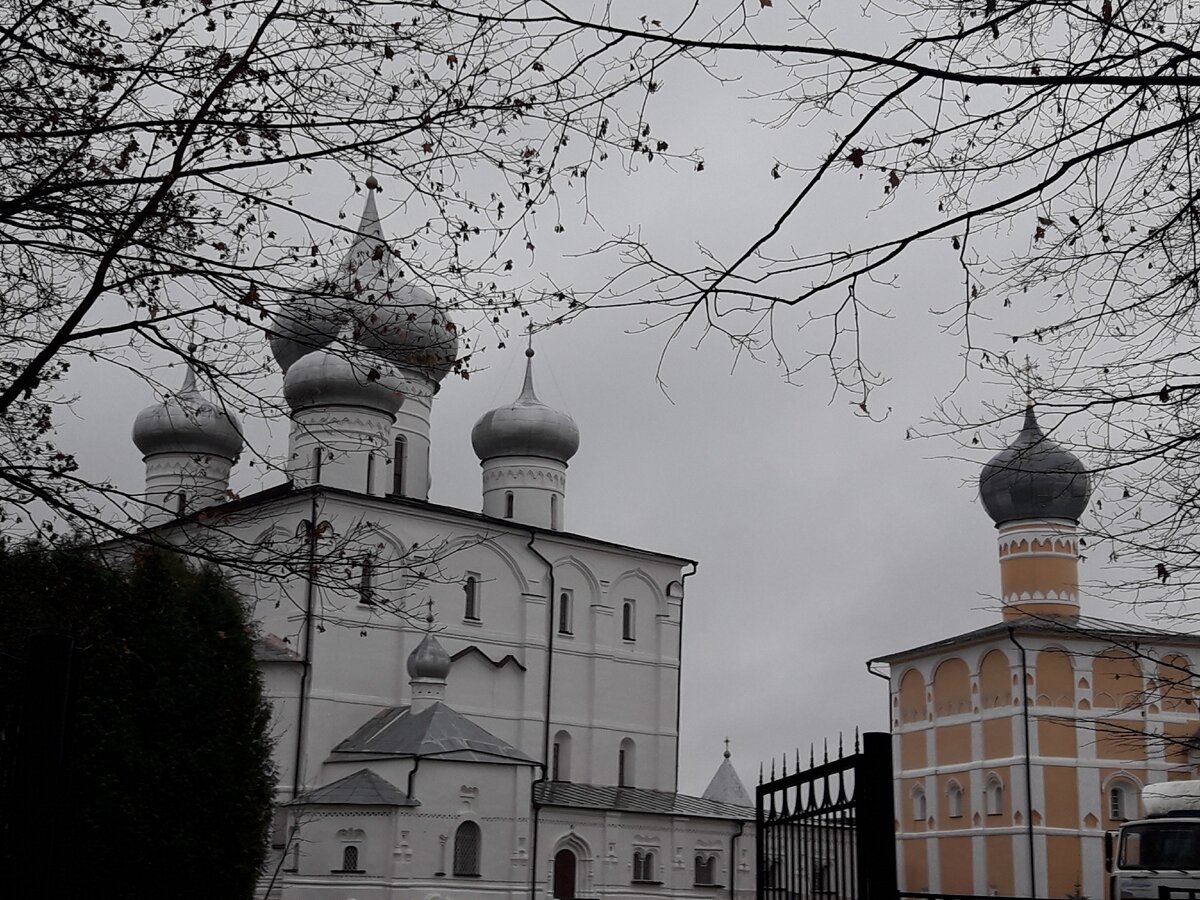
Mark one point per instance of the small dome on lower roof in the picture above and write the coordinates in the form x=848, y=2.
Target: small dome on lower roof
x=187, y=422
x=1034, y=478
x=429, y=660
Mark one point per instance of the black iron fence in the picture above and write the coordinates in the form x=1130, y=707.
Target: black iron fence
x=828, y=832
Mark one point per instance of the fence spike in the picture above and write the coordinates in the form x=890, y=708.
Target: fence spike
x=856, y=747
x=826, y=749
x=797, y=759
x=760, y=772
x=812, y=757
x=840, y=754
x=772, y=768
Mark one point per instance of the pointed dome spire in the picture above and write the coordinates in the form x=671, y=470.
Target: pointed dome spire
x=187, y=422
x=403, y=322
x=726, y=786
x=526, y=427
x=1034, y=478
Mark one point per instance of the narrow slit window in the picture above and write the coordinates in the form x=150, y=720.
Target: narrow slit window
x=471, y=598
x=316, y=464
x=366, y=582
x=508, y=504
x=370, y=473
x=954, y=800
x=399, y=461
x=565, y=625
x=554, y=525
x=994, y=796
x=628, y=621
x=180, y=503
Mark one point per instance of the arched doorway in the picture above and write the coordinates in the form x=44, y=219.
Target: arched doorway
x=564, y=875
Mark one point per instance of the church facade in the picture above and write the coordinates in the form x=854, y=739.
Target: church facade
x=1017, y=745
x=466, y=703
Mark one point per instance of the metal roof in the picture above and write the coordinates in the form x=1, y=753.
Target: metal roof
x=727, y=787
x=635, y=800
x=436, y=732
x=1083, y=626
x=363, y=788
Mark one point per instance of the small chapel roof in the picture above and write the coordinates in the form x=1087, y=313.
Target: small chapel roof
x=362, y=788
x=436, y=732
x=637, y=800
x=1082, y=626
x=726, y=786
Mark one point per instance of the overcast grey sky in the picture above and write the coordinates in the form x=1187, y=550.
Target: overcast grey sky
x=824, y=539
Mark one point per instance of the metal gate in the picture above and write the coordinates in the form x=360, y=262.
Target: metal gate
x=828, y=832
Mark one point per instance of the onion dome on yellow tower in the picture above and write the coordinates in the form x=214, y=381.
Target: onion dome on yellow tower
x=187, y=422
x=402, y=322
x=1034, y=478
x=526, y=427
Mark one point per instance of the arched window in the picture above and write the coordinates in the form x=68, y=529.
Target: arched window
x=565, y=625
x=366, y=582
x=628, y=620
x=626, y=762
x=920, y=811
x=467, y=840
x=705, y=869
x=508, y=504
x=643, y=865
x=560, y=762
x=370, y=473
x=399, y=461
x=554, y=525
x=954, y=800
x=350, y=858
x=471, y=596
x=1122, y=801
x=564, y=874
x=993, y=796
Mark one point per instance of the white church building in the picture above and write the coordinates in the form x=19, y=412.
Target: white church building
x=466, y=703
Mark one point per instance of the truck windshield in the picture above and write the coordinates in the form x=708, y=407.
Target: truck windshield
x=1161, y=845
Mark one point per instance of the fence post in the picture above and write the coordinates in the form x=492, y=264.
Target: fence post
x=760, y=836
x=875, y=818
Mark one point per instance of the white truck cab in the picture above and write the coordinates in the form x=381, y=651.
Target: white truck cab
x=1158, y=857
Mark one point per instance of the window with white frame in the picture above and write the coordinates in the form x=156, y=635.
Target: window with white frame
x=993, y=796
x=1122, y=801
x=954, y=800
x=920, y=810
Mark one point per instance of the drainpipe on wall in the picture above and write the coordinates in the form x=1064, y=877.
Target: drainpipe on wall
x=1028, y=766
x=306, y=659
x=534, y=865
x=679, y=654
x=733, y=838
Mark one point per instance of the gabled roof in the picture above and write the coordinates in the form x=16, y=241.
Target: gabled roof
x=436, y=732
x=1118, y=633
x=636, y=800
x=727, y=787
x=363, y=788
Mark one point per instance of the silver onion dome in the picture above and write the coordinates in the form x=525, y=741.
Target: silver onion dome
x=187, y=422
x=526, y=427
x=429, y=660
x=307, y=322
x=1034, y=478
x=336, y=376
